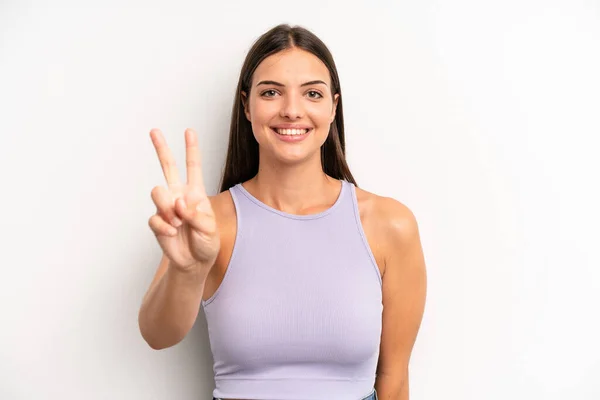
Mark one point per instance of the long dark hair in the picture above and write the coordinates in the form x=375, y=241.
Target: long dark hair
x=242, y=153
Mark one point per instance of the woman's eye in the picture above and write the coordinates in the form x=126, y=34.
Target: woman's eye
x=269, y=91
x=313, y=94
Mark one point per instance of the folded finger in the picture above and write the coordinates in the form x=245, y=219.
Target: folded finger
x=199, y=217
x=165, y=205
x=160, y=227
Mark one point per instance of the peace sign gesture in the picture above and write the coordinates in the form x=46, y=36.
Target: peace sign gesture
x=184, y=223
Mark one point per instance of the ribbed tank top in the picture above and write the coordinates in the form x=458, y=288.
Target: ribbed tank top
x=298, y=314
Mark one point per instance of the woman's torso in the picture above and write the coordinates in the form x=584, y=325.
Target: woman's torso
x=231, y=311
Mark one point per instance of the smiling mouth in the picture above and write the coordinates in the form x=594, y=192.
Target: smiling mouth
x=291, y=132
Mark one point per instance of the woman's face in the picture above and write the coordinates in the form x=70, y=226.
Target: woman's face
x=290, y=89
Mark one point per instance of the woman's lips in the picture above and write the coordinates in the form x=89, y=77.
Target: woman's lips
x=292, y=138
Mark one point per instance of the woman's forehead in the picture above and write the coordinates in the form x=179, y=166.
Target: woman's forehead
x=291, y=67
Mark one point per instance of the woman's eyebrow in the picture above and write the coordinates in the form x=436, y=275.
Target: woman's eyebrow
x=282, y=85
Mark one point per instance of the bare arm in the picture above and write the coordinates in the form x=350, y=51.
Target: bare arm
x=404, y=292
x=186, y=229
x=171, y=305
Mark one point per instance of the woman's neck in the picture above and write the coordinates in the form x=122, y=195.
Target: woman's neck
x=294, y=188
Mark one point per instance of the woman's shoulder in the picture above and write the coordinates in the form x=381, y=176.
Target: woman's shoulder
x=382, y=209
x=223, y=207
x=387, y=222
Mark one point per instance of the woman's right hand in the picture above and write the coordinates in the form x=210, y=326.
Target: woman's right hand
x=194, y=241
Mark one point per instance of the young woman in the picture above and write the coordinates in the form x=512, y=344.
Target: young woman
x=312, y=288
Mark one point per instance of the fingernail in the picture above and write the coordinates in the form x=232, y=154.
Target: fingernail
x=176, y=222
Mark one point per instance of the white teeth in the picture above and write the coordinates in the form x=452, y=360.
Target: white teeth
x=291, y=131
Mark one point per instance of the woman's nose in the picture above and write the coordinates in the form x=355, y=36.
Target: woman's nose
x=292, y=107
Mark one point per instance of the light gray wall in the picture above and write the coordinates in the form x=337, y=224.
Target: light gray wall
x=482, y=117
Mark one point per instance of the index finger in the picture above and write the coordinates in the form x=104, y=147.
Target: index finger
x=167, y=161
x=193, y=161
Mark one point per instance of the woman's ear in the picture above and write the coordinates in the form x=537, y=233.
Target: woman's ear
x=244, y=97
x=335, y=103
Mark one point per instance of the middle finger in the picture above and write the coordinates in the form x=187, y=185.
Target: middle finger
x=167, y=161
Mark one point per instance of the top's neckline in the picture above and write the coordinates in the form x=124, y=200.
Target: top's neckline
x=296, y=216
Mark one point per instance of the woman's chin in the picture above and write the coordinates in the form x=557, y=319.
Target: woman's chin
x=294, y=156
x=283, y=152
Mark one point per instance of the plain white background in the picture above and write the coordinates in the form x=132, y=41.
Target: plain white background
x=481, y=116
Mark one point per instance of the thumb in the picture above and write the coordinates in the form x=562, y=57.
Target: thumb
x=196, y=216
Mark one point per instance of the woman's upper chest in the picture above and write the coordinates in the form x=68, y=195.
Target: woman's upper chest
x=371, y=223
